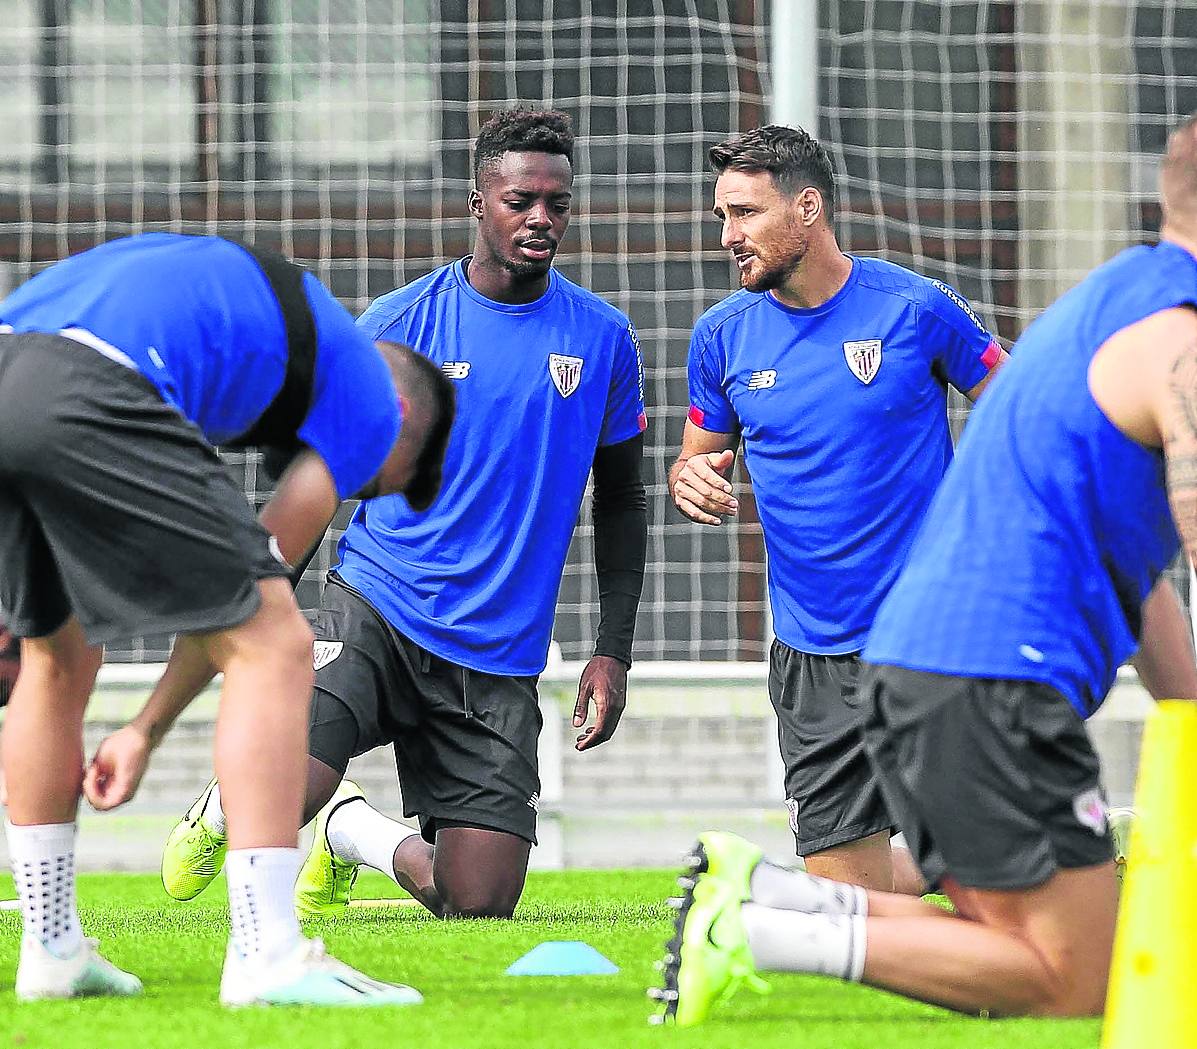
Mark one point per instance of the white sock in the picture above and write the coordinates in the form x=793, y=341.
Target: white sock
x=261, y=902
x=43, y=867
x=795, y=941
x=361, y=834
x=213, y=813
x=787, y=890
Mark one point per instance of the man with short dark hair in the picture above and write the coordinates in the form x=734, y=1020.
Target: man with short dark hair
x=989, y=651
x=432, y=630
x=120, y=368
x=832, y=370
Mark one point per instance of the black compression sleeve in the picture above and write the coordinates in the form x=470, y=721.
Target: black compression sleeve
x=620, y=544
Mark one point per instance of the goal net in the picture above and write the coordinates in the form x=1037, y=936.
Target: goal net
x=1003, y=147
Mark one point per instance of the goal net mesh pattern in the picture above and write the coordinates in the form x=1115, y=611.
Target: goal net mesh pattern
x=1003, y=147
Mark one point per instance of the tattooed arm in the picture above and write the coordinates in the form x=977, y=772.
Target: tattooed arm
x=1165, y=658
x=1145, y=380
x=1178, y=427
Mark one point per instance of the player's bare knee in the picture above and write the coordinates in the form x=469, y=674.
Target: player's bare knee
x=281, y=617
x=297, y=638
x=477, y=909
x=485, y=902
x=287, y=639
x=1079, y=989
x=64, y=667
x=1077, y=996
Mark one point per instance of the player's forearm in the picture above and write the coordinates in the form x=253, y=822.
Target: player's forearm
x=186, y=674
x=1165, y=657
x=302, y=507
x=620, y=545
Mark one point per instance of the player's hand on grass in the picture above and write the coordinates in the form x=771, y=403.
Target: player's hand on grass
x=605, y=683
x=702, y=491
x=113, y=776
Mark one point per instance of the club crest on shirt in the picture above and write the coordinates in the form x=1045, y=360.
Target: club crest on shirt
x=566, y=372
x=864, y=358
x=456, y=369
x=324, y=652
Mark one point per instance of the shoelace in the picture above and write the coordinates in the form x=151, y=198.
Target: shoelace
x=207, y=843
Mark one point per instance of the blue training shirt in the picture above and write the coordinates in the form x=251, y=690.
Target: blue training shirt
x=1052, y=527
x=540, y=387
x=843, y=413
x=197, y=317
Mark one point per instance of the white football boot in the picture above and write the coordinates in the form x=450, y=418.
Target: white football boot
x=86, y=973
x=307, y=976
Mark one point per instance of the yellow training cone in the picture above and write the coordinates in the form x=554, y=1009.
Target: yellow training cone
x=1153, y=981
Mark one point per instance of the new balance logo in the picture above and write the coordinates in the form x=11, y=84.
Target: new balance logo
x=534, y=802
x=765, y=379
x=456, y=369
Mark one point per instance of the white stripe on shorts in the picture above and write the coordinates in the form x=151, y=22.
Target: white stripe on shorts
x=82, y=335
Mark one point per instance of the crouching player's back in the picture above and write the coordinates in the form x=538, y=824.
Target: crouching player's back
x=1037, y=571
x=1037, y=557
x=120, y=369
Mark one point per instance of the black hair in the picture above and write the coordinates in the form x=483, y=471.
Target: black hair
x=792, y=156
x=523, y=130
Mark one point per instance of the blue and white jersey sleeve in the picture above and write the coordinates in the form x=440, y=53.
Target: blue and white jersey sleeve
x=355, y=417
x=625, y=416
x=957, y=341
x=710, y=408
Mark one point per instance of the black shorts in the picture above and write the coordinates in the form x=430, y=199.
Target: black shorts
x=831, y=791
x=994, y=783
x=465, y=741
x=113, y=507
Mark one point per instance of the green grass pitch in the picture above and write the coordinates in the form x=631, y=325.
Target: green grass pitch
x=177, y=950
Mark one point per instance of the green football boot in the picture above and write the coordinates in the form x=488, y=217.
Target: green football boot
x=325, y=882
x=725, y=856
x=1121, y=821
x=708, y=959
x=194, y=853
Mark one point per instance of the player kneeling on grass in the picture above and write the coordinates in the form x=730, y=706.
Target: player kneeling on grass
x=985, y=658
x=432, y=629
x=120, y=368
